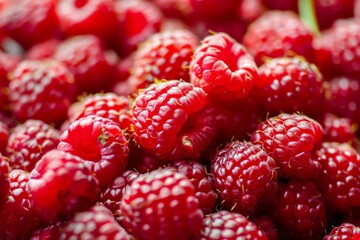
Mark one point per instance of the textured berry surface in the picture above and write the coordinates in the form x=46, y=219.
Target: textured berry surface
x=277, y=34
x=41, y=90
x=290, y=85
x=29, y=141
x=289, y=139
x=161, y=205
x=267, y=226
x=160, y=114
x=300, y=210
x=95, y=223
x=4, y=179
x=60, y=185
x=47, y=233
x=344, y=231
x=222, y=67
x=100, y=143
x=340, y=178
x=228, y=225
x=243, y=174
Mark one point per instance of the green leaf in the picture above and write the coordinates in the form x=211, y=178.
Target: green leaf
x=308, y=15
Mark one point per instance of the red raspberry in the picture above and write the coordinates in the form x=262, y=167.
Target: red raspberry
x=17, y=216
x=137, y=20
x=223, y=68
x=29, y=21
x=41, y=90
x=289, y=139
x=231, y=226
x=244, y=175
x=95, y=223
x=290, y=85
x=4, y=179
x=43, y=50
x=344, y=98
x=344, y=231
x=336, y=49
x=300, y=210
x=7, y=65
x=29, y=141
x=141, y=161
x=87, y=60
x=160, y=115
x=161, y=205
x=276, y=34
x=111, y=196
x=96, y=17
x=47, y=233
x=266, y=225
x=353, y=216
x=60, y=185
x=212, y=10
x=100, y=143
x=4, y=137
x=204, y=186
x=107, y=105
x=340, y=178
x=165, y=55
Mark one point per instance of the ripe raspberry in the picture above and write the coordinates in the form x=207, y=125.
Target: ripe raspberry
x=161, y=205
x=87, y=60
x=17, y=216
x=344, y=98
x=162, y=114
x=29, y=22
x=4, y=179
x=231, y=226
x=41, y=90
x=344, y=231
x=212, y=10
x=300, y=210
x=243, y=174
x=137, y=21
x=267, y=226
x=290, y=85
x=43, y=50
x=289, y=139
x=223, y=68
x=340, y=178
x=276, y=34
x=4, y=137
x=60, y=185
x=29, y=141
x=79, y=17
x=204, y=186
x=95, y=223
x=111, y=196
x=336, y=49
x=107, y=105
x=47, y=233
x=100, y=143
x=165, y=55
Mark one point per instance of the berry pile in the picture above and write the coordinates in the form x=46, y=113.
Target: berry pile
x=179, y=119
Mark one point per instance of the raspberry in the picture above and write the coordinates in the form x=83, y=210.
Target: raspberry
x=4, y=179
x=212, y=10
x=47, y=233
x=79, y=17
x=204, y=186
x=29, y=141
x=43, y=50
x=160, y=115
x=340, y=178
x=141, y=161
x=107, y=105
x=100, y=143
x=223, y=68
x=60, y=185
x=231, y=226
x=95, y=223
x=161, y=205
x=111, y=196
x=4, y=137
x=86, y=58
x=266, y=225
x=165, y=55
x=276, y=34
x=243, y=174
x=41, y=90
x=29, y=22
x=289, y=139
x=137, y=21
x=290, y=85
x=17, y=216
x=336, y=49
x=344, y=231
x=300, y=210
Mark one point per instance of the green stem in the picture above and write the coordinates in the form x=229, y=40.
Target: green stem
x=308, y=15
